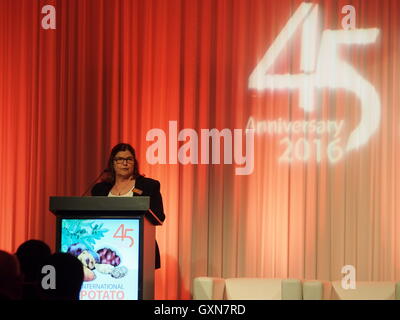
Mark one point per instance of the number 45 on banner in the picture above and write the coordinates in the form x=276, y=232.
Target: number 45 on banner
x=327, y=70
x=123, y=235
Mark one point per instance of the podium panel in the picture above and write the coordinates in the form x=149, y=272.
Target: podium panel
x=114, y=240
x=109, y=252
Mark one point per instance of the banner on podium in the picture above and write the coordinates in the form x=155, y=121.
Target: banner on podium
x=109, y=252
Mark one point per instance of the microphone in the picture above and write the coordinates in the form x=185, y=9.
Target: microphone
x=106, y=170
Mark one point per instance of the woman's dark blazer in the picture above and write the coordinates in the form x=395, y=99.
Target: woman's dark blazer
x=143, y=187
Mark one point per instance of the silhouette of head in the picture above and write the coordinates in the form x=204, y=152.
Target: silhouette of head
x=68, y=277
x=10, y=282
x=32, y=255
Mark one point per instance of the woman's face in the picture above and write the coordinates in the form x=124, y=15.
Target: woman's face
x=123, y=164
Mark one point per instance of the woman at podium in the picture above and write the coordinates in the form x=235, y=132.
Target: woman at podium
x=124, y=180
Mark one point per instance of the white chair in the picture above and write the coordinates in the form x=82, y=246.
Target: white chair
x=374, y=290
x=208, y=288
x=211, y=288
x=313, y=290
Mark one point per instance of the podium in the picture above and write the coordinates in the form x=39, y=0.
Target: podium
x=114, y=238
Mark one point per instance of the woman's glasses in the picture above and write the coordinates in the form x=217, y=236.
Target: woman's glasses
x=121, y=160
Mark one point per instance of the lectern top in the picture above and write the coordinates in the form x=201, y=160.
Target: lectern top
x=123, y=206
x=79, y=204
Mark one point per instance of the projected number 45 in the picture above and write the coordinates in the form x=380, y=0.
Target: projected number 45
x=323, y=70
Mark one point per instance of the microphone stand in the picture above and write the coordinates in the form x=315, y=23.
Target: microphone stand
x=92, y=184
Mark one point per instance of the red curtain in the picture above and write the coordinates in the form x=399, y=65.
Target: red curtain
x=112, y=71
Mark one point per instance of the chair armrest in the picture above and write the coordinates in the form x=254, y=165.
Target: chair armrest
x=208, y=288
x=291, y=289
x=313, y=290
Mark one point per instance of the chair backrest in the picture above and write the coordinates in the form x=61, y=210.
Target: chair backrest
x=373, y=290
x=208, y=288
x=213, y=288
x=253, y=289
x=313, y=290
x=292, y=289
